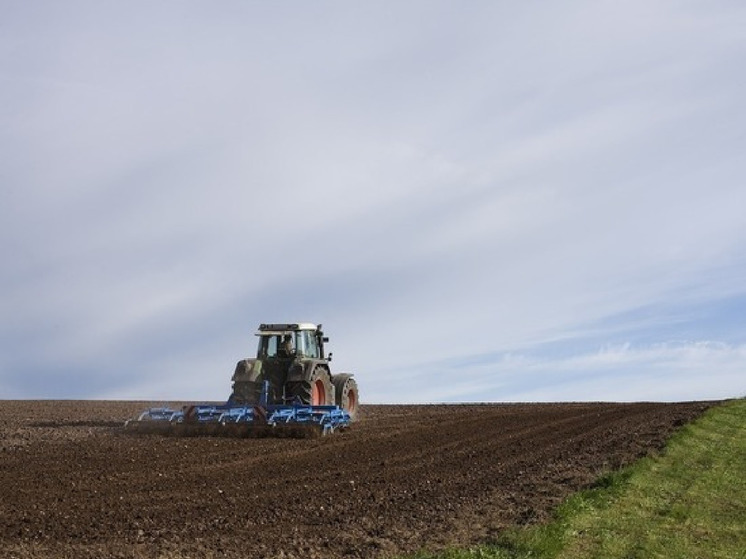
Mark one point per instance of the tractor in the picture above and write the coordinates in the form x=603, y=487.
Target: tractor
x=286, y=390
x=291, y=357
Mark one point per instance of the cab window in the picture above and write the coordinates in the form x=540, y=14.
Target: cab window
x=312, y=346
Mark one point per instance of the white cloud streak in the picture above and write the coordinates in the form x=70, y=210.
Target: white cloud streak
x=671, y=371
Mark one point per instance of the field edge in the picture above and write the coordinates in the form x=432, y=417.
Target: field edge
x=686, y=500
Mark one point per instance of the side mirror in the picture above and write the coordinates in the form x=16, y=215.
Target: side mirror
x=325, y=339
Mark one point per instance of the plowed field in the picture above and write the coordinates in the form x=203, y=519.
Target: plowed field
x=74, y=484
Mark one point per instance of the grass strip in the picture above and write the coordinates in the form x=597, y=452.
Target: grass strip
x=687, y=502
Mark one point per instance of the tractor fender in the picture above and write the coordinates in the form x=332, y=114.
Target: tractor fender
x=247, y=370
x=301, y=370
x=343, y=376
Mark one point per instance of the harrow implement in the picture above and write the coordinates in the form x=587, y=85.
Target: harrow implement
x=261, y=420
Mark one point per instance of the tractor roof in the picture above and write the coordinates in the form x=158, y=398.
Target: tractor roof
x=271, y=329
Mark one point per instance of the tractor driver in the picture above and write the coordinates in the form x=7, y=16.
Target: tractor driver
x=286, y=348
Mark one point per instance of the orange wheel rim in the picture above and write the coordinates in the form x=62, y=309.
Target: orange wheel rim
x=318, y=393
x=351, y=401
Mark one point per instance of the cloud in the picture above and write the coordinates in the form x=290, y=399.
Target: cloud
x=430, y=182
x=670, y=371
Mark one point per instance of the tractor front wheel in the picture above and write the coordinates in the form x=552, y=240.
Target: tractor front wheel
x=345, y=393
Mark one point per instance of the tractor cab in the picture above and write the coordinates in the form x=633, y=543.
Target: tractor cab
x=290, y=341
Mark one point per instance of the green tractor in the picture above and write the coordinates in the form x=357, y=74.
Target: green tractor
x=291, y=358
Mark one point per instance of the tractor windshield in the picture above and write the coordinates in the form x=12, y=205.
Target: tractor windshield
x=302, y=343
x=275, y=345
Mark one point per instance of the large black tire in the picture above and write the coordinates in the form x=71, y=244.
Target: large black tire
x=247, y=387
x=346, y=395
x=317, y=390
x=245, y=393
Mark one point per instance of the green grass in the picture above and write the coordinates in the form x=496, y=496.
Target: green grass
x=688, y=502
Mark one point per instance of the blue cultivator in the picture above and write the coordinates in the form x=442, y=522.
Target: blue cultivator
x=261, y=420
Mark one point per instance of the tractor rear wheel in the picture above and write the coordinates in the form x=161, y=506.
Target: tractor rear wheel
x=345, y=393
x=316, y=391
x=245, y=393
x=247, y=385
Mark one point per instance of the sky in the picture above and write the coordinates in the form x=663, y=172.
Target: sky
x=481, y=201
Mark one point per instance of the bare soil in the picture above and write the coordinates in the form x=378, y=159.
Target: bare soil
x=403, y=478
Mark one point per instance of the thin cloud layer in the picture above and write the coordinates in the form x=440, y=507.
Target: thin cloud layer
x=435, y=183
x=666, y=372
